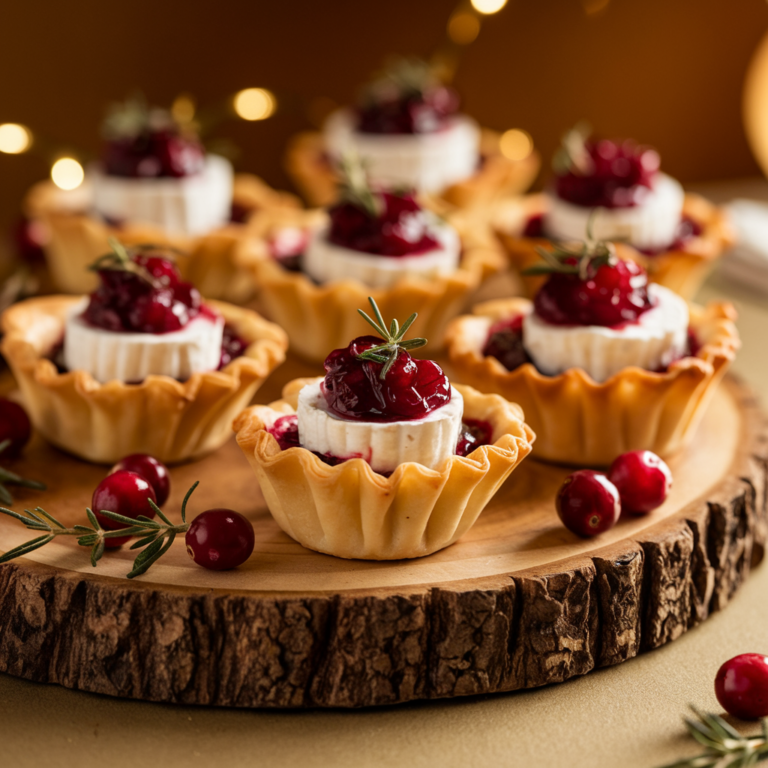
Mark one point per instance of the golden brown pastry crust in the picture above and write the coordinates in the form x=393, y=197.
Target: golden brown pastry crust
x=578, y=421
x=168, y=419
x=210, y=261
x=308, y=166
x=319, y=318
x=350, y=511
x=681, y=270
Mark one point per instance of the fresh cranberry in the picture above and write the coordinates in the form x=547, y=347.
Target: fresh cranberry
x=354, y=389
x=588, y=503
x=741, y=686
x=642, y=479
x=505, y=343
x=124, y=493
x=612, y=295
x=474, y=433
x=14, y=426
x=414, y=112
x=401, y=229
x=621, y=176
x=286, y=431
x=163, y=153
x=152, y=470
x=220, y=539
x=232, y=346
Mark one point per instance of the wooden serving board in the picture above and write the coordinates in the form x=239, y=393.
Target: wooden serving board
x=519, y=602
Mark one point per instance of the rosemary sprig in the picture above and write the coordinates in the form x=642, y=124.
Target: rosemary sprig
x=401, y=75
x=573, y=156
x=354, y=187
x=155, y=538
x=119, y=260
x=582, y=260
x=722, y=743
x=387, y=352
x=11, y=478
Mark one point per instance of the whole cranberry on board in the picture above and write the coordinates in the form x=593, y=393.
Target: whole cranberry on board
x=588, y=503
x=14, y=426
x=152, y=470
x=220, y=539
x=741, y=686
x=124, y=493
x=642, y=479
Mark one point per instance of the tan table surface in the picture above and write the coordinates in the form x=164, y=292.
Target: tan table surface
x=627, y=716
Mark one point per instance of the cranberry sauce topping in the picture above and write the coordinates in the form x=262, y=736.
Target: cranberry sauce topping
x=287, y=246
x=232, y=346
x=405, y=98
x=354, y=389
x=143, y=142
x=505, y=343
x=286, y=431
x=401, y=228
x=148, y=297
x=610, y=174
x=474, y=433
x=612, y=295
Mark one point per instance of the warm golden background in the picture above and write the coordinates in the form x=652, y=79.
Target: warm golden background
x=667, y=72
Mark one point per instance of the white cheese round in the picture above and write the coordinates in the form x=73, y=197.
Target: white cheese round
x=659, y=337
x=191, y=205
x=324, y=261
x=384, y=445
x=131, y=357
x=428, y=162
x=650, y=225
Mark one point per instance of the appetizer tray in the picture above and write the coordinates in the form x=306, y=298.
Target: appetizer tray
x=518, y=602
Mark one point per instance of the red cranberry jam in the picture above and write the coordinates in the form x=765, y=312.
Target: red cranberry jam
x=147, y=298
x=474, y=433
x=232, y=346
x=400, y=229
x=618, y=175
x=612, y=295
x=505, y=343
x=286, y=431
x=164, y=153
x=354, y=389
x=287, y=247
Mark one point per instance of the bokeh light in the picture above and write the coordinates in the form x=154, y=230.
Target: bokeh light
x=183, y=108
x=516, y=144
x=488, y=6
x=14, y=138
x=254, y=104
x=67, y=173
x=463, y=27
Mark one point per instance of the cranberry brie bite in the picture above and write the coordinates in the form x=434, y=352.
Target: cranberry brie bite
x=407, y=130
x=154, y=170
x=142, y=320
x=379, y=237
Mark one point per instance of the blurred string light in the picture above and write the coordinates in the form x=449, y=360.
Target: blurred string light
x=183, y=108
x=488, y=7
x=463, y=27
x=516, y=144
x=67, y=173
x=14, y=138
x=254, y=104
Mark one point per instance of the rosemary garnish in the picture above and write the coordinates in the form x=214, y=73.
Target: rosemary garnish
x=387, y=352
x=722, y=742
x=581, y=260
x=354, y=187
x=11, y=478
x=573, y=156
x=119, y=259
x=155, y=538
x=401, y=76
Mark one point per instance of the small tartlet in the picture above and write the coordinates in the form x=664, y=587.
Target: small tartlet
x=168, y=419
x=317, y=318
x=350, y=511
x=77, y=239
x=682, y=270
x=498, y=177
x=580, y=422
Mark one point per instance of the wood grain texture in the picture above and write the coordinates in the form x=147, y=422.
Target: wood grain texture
x=371, y=645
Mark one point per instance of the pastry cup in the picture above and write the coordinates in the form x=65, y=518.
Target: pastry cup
x=578, y=421
x=308, y=165
x=77, y=239
x=350, y=511
x=683, y=270
x=319, y=318
x=161, y=416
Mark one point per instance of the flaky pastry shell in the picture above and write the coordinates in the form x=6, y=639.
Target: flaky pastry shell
x=682, y=270
x=350, y=511
x=210, y=261
x=161, y=416
x=578, y=421
x=319, y=318
x=308, y=165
